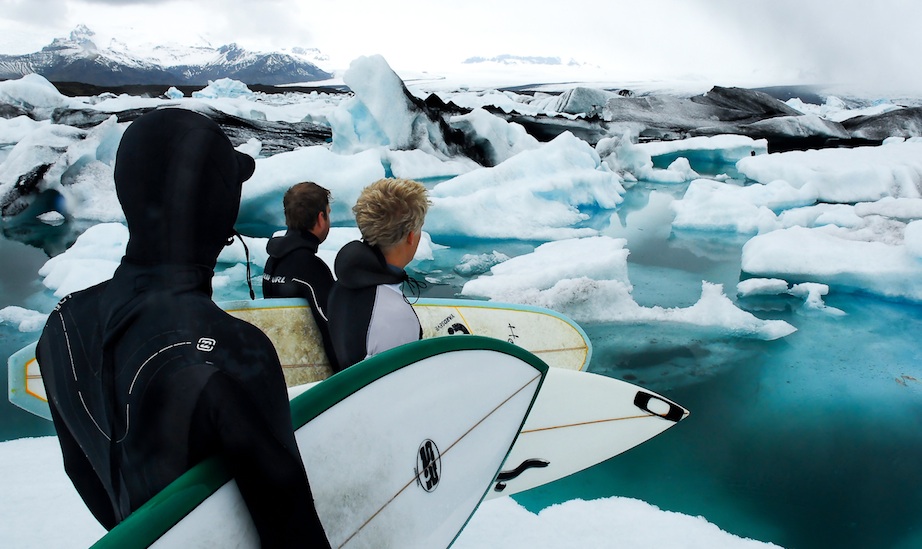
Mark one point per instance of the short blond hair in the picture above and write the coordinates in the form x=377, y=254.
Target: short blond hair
x=390, y=209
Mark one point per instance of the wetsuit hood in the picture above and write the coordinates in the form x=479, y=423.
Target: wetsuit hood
x=178, y=179
x=280, y=246
x=360, y=265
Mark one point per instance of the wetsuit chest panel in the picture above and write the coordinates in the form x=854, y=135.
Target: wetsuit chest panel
x=393, y=321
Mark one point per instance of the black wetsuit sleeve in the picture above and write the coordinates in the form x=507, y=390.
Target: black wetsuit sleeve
x=267, y=468
x=81, y=473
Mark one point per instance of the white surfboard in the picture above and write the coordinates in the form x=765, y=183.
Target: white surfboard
x=578, y=420
x=400, y=449
x=289, y=324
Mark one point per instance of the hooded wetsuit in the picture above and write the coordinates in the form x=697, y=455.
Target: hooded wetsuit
x=294, y=270
x=368, y=311
x=145, y=375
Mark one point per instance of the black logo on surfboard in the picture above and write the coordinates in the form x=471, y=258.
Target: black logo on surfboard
x=428, y=465
x=458, y=328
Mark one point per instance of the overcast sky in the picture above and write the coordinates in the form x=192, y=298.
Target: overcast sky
x=786, y=40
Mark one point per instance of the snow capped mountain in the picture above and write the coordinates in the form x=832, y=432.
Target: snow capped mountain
x=78, y=58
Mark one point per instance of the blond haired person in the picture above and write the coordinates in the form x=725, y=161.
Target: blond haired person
x=367, y=308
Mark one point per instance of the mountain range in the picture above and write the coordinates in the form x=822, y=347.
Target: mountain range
x=77, y=58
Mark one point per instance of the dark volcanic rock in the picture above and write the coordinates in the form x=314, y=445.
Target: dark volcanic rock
x=88, y=118
x=751, y=104
x=20, y=196
x=12, y=111
x=276, y=137
x=899, y=123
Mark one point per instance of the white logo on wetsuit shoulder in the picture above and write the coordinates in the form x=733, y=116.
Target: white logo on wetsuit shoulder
x=274, y=279
x=206, y=344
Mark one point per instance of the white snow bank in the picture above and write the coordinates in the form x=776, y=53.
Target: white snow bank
x=42, y=509
x=609, y=522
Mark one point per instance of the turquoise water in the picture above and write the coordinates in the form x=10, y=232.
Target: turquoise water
x=810, y=441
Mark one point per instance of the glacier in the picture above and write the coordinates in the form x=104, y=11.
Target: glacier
x=774, y=292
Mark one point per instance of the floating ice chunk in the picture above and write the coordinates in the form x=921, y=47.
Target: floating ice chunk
x=840, y=215
x=833, y=256
x=76, y=163
x=537, y=194
x=587, y=279
x=862, y=174
x=625, y=157
x=895, y=208
x=475, y=264
x=420, y=165
x=223, y=88
x=344, y=176
x=26, y=320
x=715, y=310
x=718, y=148
x=235, y=253
x=33, y=93
x=14, y=130
x=426, y=249
x=600, y=257
x=679, y=171
x=713, y=205
x=92, y=259
x=761, y=286
x=252, y=147
x=836, y=110
x=174, y=93
x=500, y=139
x=51, y=218
x=381, y=114
x=812, y=294
x=912, y=237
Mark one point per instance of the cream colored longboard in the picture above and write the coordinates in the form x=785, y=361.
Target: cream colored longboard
x=289, y=324
x=553, y=337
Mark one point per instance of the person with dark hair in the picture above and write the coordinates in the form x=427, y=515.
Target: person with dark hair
x=145, y=375
x=293, y=268
x=368, y=310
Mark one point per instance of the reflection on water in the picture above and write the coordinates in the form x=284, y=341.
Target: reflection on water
x=809, y=441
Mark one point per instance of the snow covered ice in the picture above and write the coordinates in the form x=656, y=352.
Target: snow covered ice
x=707, y=250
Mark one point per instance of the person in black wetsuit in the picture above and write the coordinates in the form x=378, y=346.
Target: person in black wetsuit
x=145, y=375
x=293, y=268
x=367, y=309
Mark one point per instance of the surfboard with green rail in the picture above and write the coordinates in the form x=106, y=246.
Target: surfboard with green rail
x=400, y=450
